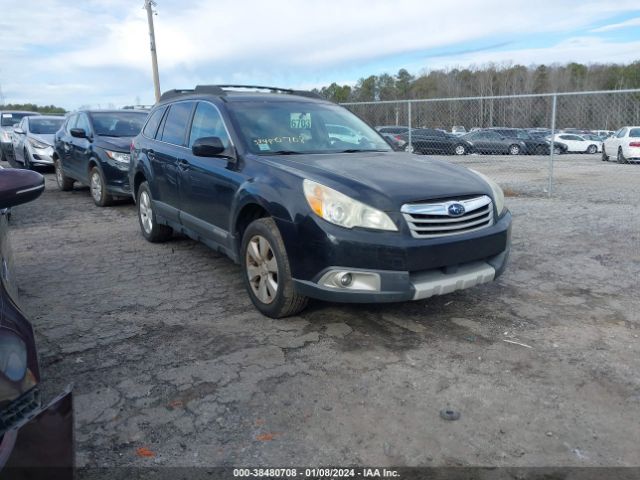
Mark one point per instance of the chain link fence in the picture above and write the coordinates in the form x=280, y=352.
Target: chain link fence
x=533, y=145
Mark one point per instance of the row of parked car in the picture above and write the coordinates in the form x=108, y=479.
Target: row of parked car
x=263, y=174
x=491, y=141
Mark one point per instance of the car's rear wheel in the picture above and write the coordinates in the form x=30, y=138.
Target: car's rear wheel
x=460, y=150
x=98, y=188
x=267, y=274
x=409, y=149
x=514, y=150
x=557, y=150
x=592, y=149
x=151, y=229
x=64, y=183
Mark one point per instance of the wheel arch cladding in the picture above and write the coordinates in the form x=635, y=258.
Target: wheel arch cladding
x=137, y=181
x=248, y=213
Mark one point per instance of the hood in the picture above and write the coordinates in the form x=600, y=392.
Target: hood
x=118, y=144
x=44, y=138
x=384, y=180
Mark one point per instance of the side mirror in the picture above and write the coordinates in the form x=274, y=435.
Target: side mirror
x=19, y=131
x=78, y=133
x=19, y=186
x=208, y=147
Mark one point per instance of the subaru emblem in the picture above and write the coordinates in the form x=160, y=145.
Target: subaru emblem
x=456, y=209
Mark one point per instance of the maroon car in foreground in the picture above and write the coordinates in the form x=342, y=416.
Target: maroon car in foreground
x=36, y=437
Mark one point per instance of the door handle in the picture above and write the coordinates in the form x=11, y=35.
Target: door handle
x=183, y=164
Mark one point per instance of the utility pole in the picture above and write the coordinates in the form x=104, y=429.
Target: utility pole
x=148, y=5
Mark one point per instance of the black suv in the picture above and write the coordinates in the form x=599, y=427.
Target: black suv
x=255, y=173
x=92, y=147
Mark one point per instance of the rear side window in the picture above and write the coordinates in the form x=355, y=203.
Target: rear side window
x=207, y=123
x=175, y=126
x=634, y=132
x=151, y=127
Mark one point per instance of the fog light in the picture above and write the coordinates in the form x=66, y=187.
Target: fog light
x=346, y=279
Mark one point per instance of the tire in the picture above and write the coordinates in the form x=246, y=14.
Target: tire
x=557, y=151
x=514, y=149
x=25, y=160
x=98, y=188
x=266, y=272
x=64, y=183
x=410, y=149
x=592, y=149
x=460, y=149
x=151, y=229
x=621, y=158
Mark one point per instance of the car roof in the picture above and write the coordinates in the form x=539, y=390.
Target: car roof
x=38, y=117
x=239, y=93
x=20, y=111
x=111, y=110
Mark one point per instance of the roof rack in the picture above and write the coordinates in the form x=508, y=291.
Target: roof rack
x=221, y=90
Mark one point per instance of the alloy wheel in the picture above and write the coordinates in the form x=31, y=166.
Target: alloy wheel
x=146, y=214
x=59, y=178
x=96, y=186
x=262, y=269
x=460, y=150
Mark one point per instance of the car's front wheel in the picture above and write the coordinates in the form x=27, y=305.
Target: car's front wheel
x=64, y=183
x=460, y=150
x=26, y=159
x=266, y=271
x=151, y=229
x=98, y=188
x=621, y=158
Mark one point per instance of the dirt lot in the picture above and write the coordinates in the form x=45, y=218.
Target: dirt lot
x=167, y=353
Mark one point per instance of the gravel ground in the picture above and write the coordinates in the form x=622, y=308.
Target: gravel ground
x=173, y=366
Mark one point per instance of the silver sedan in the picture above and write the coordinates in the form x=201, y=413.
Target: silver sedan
x=33, y=140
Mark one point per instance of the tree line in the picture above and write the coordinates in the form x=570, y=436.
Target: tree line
x=486, y=80
x=31, y=107
x=593, y=112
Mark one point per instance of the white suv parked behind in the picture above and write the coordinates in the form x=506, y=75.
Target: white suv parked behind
x=624, y=145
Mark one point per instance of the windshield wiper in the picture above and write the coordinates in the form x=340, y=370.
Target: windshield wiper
x=357, y=150
x=283, y=152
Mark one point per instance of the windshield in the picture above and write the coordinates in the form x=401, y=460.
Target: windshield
x=45, y=126
x=118, y=124
x=285, y=127
x=10, y=119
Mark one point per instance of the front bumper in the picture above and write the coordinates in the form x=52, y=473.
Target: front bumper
x=405, y=268
x=117, y=177
x=42, y=156
x=41, y=443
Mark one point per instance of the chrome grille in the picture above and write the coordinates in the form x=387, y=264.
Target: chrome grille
x=430, y=220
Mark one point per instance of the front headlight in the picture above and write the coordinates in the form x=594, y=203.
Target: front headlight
x=498, y=194
x=118, y=156
x=37, y=144
x=344, y=211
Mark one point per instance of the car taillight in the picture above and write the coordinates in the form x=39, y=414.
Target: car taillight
x=634, y=144
x=397, y=137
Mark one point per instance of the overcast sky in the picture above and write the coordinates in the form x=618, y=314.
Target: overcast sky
x=96, y=52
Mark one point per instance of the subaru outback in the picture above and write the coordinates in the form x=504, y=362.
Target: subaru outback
x=257, y=174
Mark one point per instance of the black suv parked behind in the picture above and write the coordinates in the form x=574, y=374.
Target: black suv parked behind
x=92, y=147
x=255, y=173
